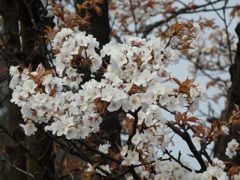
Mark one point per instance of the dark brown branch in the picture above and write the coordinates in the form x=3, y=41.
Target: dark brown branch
x=18, y=169
x=185, y=10
x=99, y=152
x=88, y=159
x=177, y=160
x=28, y=5
x=133, y=172
x=78, y=152
x=134, y=114
x=186, y=137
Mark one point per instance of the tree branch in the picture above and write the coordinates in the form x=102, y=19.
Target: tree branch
x=186, y=137
x=18, y=169
x=185, y=10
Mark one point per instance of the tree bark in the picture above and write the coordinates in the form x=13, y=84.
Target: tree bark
x=16, y=153
x=41, y=163
x=233, y=98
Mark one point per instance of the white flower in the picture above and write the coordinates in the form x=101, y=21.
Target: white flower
x=96, y=62
x=136, y=138
x=71, y=72
x=194, y=106
x=104, y=148
x=135, y=101
x=159, y=177
x=14, y=82
x=172, y=103
x=225, y=130
x=60, y=68
x=118, y=95
x=72, y=133
x=141, y=117
x=107, y=94
x=16, y=97
x=30, y=86
x=157, y=88
x=194, y=93
x=149, y=118
x=13, y=71
x=29, y=128
x=144, y=77
x=83, y=131
x=164, y=99
x=114, y=106
x=132, y=158
x=95, y=93
x=171, y=55
x=41, y=111
x=112, y=76
x=124, y=150
x=236, y=176
x=207, y=175
x=61, y=125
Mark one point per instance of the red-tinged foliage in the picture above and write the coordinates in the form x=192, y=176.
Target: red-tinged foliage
x=210, y=23
x=3, y=70
x=184, y=87
x=101, y=106
x=198, y=129
x=49, y=34
x=235, y=11
x=150, y=4
x=169, y=8
x=183, y=119
x=91, y=4
x=235, y=117
x=127, y=124
x=41, y=72
x=234, y=170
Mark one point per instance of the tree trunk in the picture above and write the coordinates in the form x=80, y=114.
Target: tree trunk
x=16, y=153
x=40, y=146
x=233, y=98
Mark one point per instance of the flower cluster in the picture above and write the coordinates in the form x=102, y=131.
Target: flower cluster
x=55, y=99
x=172, y=170
x=72, y=48
x=232, y=148
x=133, y=82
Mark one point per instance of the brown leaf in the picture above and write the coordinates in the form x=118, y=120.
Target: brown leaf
x=192, y=119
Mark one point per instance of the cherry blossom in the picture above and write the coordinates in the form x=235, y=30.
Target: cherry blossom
x=104, y=148
x=29, y=128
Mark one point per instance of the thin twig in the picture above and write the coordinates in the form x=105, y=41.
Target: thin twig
x=18, y=169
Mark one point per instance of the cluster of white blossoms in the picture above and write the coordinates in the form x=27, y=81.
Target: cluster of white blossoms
x=133, y=81
x=69, y=44
x=172, y=170
x=56, y=99
x=232, y=148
